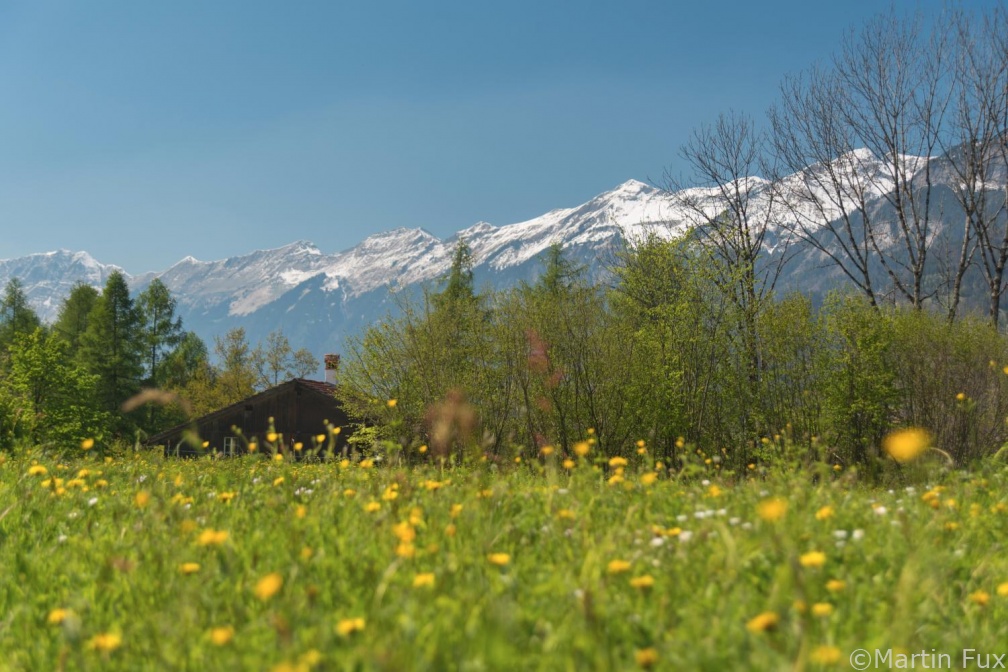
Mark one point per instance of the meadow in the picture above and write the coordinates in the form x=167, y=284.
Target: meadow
x=137, y=561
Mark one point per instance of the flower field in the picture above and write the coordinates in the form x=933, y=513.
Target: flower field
x=141, y=562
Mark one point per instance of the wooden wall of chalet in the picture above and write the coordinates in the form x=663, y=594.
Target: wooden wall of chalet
x=299, y=412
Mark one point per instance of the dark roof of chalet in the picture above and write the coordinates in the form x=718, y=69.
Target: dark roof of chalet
x=316, y=386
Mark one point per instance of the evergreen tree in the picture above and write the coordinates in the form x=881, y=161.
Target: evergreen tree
x=16, y=315
x=112, y=347
x=72, y=321
x=160, y=329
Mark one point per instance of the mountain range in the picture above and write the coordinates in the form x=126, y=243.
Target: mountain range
x=319, y=298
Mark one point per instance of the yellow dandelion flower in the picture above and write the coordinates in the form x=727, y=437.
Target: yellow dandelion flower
x=822, y=609
x=405, y=550
x=980, y=597
x=268, y=586
x=813, y=559
x=826, y=655
x=642, y=582
x=546, y=451
x=222, y=636
x=617, y=566
x=423, y=448
x=105, y=642
x=391, y=403
x=961, y=396
x=57, y=616
x=87, y=444
x=772, y=510
x=423, y=580
x=648, y=478
x=714, y=491
x=371, y=507
x=617, y=462
x=189, y=567
x=141, y=499
x=825, y=513
x=347, y=626
x=907, y=444
x=226, y=496
x=366, y=464
x=278, y=481
x=210, y=537
x=278, y=457
x=835, y=585
x=499, y=559
x=450, y=530
x=581, y=448
x=568, y=464
x=1002, y=589
x=271, y=437
x=764, y=622
x=646, y=658
x=37, y=470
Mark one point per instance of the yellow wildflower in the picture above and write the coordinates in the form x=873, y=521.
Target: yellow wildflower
x=907, y=444
x=825, y=513
x=222, y=636
x=822, y=609
x=210, y=537
x=835, y=585
x=581, y=448
x=813, y=559
x=371, y=507
x=568, y=464
x=391, y=403
x=423, y=580
x=646, y=658
x=57, y=616
x=37, y=470
x=1002, y=589
x=764, y=622
x=499, y=559
x=348, y=626
x=268, y=586
x=772, y=510
x=617, y=566
x=617, y=462
x=649, y=478
x=105, y=642
x=642, y=582
x=87, y=444
x=826, y=655
x=141, y=499
x=189, y=567
x=980, y=597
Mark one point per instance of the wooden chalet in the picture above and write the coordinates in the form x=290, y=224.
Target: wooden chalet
x=300, y=409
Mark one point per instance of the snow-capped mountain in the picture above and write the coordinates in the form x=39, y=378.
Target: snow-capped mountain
x=319, y=297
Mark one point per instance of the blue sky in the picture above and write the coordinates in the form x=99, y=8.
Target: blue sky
x=146, y=131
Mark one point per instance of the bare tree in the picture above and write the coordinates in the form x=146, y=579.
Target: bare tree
x=857, y=138
x=733, y=211
x=985, y=76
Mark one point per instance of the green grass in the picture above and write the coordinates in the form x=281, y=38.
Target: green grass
x=912, y=566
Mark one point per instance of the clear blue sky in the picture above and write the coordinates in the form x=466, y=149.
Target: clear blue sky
x=145, y=131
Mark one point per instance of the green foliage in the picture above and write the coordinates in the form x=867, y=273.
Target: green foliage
x=16, y=316
x=112, y=348
x=276, y=361
x=72, y=322
x=486, y=566
x=57, y=395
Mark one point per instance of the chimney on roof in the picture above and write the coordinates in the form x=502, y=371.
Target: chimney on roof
x=331, y=367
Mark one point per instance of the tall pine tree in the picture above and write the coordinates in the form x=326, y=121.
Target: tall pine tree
x=112, y=347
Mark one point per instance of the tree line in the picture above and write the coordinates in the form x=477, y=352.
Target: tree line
x=661, y=357
x=72, y=380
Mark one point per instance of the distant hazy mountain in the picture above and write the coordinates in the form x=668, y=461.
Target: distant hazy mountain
x=319, y=298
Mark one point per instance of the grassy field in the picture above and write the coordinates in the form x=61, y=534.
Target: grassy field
x=141, y=562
